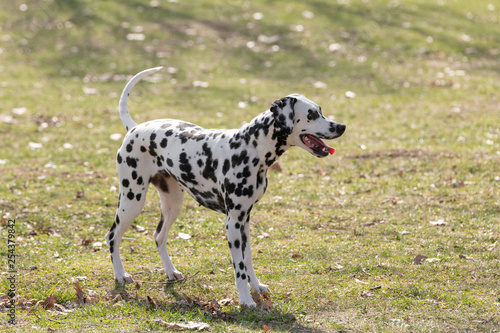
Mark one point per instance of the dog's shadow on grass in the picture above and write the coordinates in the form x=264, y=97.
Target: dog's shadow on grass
x=254, y=318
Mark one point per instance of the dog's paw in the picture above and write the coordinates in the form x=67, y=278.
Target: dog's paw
x=126, y=279
x=261, y=289
x=248, y=304
x=175, y=276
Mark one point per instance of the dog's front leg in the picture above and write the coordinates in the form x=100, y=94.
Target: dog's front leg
x=255, y=285
x=237, y=241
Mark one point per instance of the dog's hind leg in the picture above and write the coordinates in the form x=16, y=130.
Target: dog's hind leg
x=171, y=197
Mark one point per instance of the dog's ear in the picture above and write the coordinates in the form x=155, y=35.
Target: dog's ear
x=284, y=113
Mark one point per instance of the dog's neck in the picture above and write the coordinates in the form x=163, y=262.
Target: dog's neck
x=263, y=133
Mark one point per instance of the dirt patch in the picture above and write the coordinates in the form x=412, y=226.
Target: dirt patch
x=400, y=153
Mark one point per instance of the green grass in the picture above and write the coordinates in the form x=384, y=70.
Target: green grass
x=422, y=144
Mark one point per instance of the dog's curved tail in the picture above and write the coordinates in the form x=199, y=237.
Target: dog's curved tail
x=127, y=120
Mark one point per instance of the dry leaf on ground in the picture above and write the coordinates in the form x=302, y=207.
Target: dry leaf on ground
x=190, y=325
x=419, y=259
x=439, y=222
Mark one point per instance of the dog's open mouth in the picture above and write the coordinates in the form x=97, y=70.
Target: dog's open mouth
x=317, y=146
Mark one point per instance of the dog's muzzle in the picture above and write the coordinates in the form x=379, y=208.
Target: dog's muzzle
x=317, y=146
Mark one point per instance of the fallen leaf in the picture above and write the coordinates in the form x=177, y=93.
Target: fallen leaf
x=419, y=259
x=35, y=145
x=138, y=228
x=86, y=241
x=263, y=301
x=225, y=301
x=190, y=325
x=19, y=111
x=184, y=236
x=48, y=304
x=350, y=94
x=115, y=136
x=152, y=302
x=464, y=256
x=92, y=296
x=80, y=194
x=266, y=328
x=359, y=281
x=201, y=84
x=263, y=235
x=136, y=36
x=7, y=118
x=442, y=83
x=438, y=222
x=432, y=259
x=367, y=294
x=79, y=293
x=89, y=91
x=296, y=255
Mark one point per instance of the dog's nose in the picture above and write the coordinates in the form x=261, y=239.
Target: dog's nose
x=340, y=128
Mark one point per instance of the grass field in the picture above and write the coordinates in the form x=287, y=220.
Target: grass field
x=338, y=240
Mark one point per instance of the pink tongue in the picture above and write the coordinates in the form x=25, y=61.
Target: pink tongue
x=318, y=142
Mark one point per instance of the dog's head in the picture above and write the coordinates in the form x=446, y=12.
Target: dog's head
x=303, y=121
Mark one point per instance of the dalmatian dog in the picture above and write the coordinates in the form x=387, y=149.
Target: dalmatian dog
x=224, y=170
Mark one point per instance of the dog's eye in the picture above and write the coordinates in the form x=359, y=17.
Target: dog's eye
x=312, y=115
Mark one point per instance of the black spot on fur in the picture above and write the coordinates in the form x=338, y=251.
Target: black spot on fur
x=140, y=181
x=143, y=149
x=119, y=158
x=138, y=196
x=125, y=183
x=160, y=225
x=238, y=159
x=241, y=216
x=210, y=164
x=152, y=147
x=163, y=143
x=134, y=175
x=129, y=148
x=130, y=195
x=131, y=162
x=186, y=168
x=237, y=244
x=225, y=167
